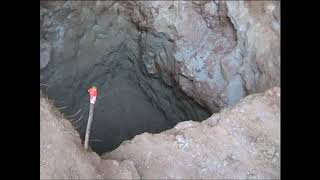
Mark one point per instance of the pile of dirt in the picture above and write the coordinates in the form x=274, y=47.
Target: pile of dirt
x=240, y=142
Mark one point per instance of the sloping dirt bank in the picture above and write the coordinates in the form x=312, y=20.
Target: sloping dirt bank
x=62, y=155
x=242, y=141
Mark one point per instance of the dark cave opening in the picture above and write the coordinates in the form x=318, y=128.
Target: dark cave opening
x=133, y=68
x=130, y=101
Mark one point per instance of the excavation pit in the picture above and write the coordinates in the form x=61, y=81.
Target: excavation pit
x=132, y=67
x=130, y=100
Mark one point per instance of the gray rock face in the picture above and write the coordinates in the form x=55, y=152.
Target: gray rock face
x=240, y=142
x=222, y=50
x=216, y=52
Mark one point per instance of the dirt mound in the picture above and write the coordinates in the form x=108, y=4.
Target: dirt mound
x=240, y=142
x=62, y=155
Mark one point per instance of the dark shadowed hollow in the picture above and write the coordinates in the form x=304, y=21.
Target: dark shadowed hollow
x=130, y=100
x=109, y=51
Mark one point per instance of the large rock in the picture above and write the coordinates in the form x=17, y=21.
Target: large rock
x=222, y=51
x=240, y=142
x=258, y=32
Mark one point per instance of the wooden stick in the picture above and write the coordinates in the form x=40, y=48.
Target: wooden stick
x=88, y=127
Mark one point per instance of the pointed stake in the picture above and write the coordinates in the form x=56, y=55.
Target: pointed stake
x=86, y=142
